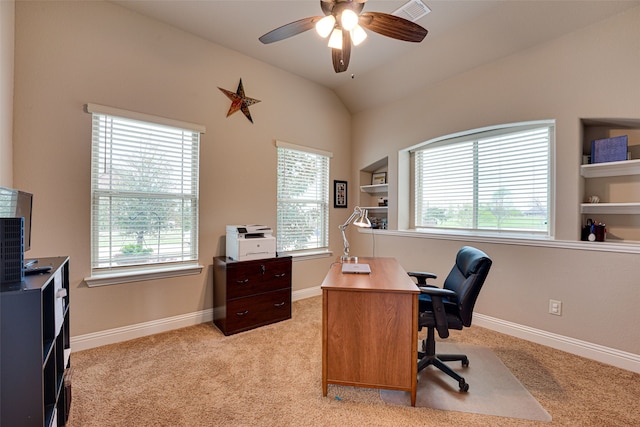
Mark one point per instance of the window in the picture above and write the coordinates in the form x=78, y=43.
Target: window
x=303, y=198
x=144, y=191
x=494, y=180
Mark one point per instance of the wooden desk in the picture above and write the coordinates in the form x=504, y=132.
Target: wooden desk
x=370, y=328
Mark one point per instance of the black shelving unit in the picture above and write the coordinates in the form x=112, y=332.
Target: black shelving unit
x=35, y=348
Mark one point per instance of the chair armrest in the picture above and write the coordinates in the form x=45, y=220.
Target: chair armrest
x=422, y=276
x=433, y=291
x=437, y=305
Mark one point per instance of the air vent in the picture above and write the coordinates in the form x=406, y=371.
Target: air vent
x=412, y=10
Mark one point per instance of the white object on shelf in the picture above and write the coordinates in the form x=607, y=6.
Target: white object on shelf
x=60, y=294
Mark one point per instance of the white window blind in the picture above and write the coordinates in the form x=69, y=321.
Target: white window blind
x=144, y=189
x=496, y=180
x=303, y=199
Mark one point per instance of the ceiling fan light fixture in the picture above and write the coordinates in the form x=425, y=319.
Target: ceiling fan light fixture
x=335, y=41
x=325, y=25
x=345, y=25
x=348, y=19
x=358, y=34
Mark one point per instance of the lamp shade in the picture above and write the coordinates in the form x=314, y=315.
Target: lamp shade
x=325, y=25
x=363, y=220
x=348, y=19
x=335, y=41
x=358, y=34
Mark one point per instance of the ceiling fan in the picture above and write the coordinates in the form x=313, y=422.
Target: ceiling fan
x=343, y=22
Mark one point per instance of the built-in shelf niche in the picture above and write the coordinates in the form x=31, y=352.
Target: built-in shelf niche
x=371, y=193
x=617, y=184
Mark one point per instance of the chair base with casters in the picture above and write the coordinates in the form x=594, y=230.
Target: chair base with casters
x=428, y=357
x=450, y=307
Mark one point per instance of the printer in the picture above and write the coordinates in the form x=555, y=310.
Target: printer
x=247, y=242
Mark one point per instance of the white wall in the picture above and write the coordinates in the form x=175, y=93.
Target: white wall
x=7, y=13
x=590, y=73
x=71, y=53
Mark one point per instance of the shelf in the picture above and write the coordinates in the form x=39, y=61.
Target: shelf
x=34, y=357
x=375, y=188
x=616, y=182
x=373, y=194
x=597, y=170
x=375, y=208
x=610, y=208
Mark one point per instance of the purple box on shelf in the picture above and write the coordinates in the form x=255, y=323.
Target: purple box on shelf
x=609, y=149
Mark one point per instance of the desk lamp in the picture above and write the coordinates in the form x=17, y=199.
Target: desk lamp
x=361, y=220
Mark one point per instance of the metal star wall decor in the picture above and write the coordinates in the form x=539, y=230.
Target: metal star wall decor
x=239, y=101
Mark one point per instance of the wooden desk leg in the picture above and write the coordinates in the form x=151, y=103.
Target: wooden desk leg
x=414, y=351
x=324, y=342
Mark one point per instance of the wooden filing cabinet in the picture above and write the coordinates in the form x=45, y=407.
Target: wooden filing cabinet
x=249, y=294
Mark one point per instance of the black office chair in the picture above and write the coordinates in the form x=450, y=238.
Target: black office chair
x=450, y=307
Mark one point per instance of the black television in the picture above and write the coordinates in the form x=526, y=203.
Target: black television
x=17, y=204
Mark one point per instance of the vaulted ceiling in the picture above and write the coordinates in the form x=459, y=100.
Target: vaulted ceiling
x=463, y=34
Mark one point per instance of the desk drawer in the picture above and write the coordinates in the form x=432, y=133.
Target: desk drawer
x=257, y=278
x=250, y=312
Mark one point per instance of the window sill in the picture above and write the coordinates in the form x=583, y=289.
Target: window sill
x=543, y=241
x=304, y=256
x=114, y=278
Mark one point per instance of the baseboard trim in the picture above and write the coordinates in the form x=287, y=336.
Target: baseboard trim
x=306, y=293
x=610, y=356
x=126, y=333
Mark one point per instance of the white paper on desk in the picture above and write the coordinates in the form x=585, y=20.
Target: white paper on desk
x=356, y=268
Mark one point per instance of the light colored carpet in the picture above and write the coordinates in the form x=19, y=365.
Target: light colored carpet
x=493, y=390
x=272, y=377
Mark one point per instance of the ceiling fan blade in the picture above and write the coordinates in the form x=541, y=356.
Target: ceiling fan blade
x=289, y=30
x=341, y=57
x=393, y=26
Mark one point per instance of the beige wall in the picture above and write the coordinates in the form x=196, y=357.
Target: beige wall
x=591, y=73
x=7, y=20
x=68, y=54
x=71, y=53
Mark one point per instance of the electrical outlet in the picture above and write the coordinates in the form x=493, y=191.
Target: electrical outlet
x=555, y=307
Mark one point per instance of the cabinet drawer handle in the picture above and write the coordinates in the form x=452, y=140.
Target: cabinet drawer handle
x=279, y=305
x=242, y=282
x=242, y=313
x=280, y=275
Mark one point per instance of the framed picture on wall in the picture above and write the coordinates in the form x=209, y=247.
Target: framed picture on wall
x=378, y=178
x=339, y=194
